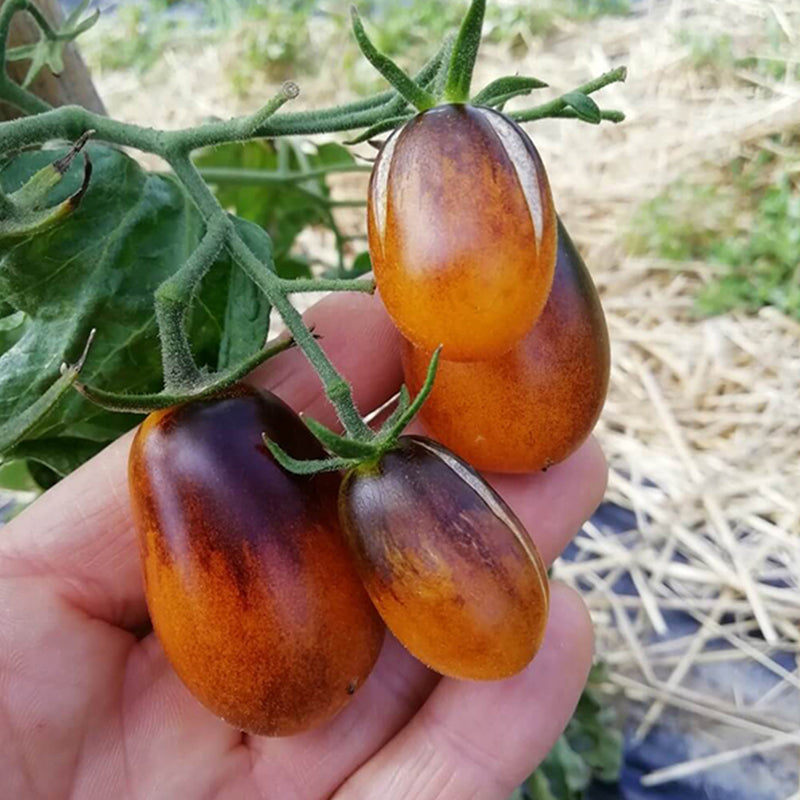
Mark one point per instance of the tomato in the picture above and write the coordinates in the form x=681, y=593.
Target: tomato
x=248, y=579
x=448, y=565
x=462, y=231
x=534, y=406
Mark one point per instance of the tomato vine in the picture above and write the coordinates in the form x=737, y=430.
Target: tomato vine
x=448, y=76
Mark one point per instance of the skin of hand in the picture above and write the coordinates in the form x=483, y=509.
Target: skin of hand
x=90, y=708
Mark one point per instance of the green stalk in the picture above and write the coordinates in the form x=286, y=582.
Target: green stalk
x=555, y=107
x=465, y=54
x=260, y=177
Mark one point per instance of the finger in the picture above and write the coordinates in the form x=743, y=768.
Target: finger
x=553, y=505
x=480, y=740
x=80, y=533
x=394, y=691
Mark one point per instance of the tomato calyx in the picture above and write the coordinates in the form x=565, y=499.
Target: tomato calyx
x=347, y=453
x=452, y=83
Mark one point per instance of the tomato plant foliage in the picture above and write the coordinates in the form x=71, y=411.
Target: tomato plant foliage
x=99, y=269
x=279, y=200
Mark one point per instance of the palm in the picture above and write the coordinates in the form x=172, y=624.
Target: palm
x=89, y=707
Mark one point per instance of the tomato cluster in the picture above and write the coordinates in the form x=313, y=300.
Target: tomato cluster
x=270, y=590
x=264, y=597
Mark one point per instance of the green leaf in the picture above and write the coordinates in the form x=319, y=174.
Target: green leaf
x=538, y=788
x=584, y=107
x=246, y=321
x=11, y=329
x=43, y=476
x=99, y=268
x=15, y=477
x=61, y=454
x=362, y=264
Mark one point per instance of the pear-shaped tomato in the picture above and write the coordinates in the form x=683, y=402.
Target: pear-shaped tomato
x=534, y=406
x=462, y=231
x=249, y=582
x=448, y=565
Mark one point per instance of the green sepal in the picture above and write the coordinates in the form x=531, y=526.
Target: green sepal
x=389, y=436
x=584, y=107
x=338, y=445
x=404, y=84
x=503, y=89
x=215, y=382
x=440, y=80
x=403, y=402
x=465, y=53
x=380, y=127
x=309, y=466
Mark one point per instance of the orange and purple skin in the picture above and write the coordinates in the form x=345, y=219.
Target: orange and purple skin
x=534, y=406
x=249, y=583
x=448, y=565
x=452, y=237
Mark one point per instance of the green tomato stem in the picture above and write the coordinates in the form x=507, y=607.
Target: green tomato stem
x=298, y=285
x=465, y=54
x=557, y=106
x=172, y=302
x=261, y=177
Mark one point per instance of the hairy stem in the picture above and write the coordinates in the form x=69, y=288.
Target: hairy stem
x=555, y=107
x=336, y=388
x=297, y=285
x=260, y=177
x=172, y=300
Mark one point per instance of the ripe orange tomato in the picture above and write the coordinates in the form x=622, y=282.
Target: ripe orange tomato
x=534, y=406
x=462, y=231
x=249, y=582
x=448, y=565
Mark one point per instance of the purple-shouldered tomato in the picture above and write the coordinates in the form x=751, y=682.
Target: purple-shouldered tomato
x=462, y=231
x=248, y=579
x=450, y=568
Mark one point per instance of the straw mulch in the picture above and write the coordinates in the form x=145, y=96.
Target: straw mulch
x=702, y=423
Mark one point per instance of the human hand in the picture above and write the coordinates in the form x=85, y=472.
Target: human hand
x=90, y=708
